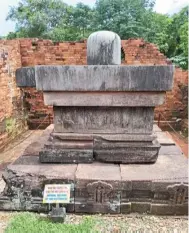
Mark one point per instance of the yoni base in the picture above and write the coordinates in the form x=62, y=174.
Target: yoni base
x=138, y=152
x=87, y=147
x=160, y=188
x=70, y=156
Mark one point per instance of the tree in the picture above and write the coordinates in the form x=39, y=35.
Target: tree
x=159, y=24
x=82, y=18
x=35, y=18
x=50, y=19
x=125, y=17
x=178, y=38
x=53, y=19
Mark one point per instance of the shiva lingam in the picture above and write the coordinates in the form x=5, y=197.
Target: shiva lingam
x=103, y=110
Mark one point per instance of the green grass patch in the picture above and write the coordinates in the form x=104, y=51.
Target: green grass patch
x=10, y=125
x=34, y=223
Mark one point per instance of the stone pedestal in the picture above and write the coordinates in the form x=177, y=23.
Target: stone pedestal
x=102, y=111
x=159, y=189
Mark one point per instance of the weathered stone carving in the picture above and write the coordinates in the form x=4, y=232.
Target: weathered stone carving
x=97, y=187
x=102, y=97
x=178, y=193
x=99, y=192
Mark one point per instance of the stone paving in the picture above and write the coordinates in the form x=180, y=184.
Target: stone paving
x=148, y=188
x=15, y=149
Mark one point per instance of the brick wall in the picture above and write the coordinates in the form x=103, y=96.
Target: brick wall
x=176, y=104
x=11, y=114
x=140, y=52
x=44, y=52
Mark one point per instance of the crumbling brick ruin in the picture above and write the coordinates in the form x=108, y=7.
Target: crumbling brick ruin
x=17, y=107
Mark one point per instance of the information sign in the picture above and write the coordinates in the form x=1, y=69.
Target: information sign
x=56, y=193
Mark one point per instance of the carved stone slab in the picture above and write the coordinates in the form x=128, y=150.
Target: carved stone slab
x=25, y=185
x=97, y=189
x=103, y=120
x=178, y=193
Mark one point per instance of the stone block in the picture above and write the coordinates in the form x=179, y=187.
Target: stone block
x=25, y=185
x=125, y=138
x=57, y=148
x=69, y=144
x=72, y=136
x=166, y=169
x=125, y=208
x=103, y=120
x=98, y=188
x=127, y=152
x=58, y=214
x=104, y=78
x=98, y=171
x=109, y=99
x=55, y=155
x=140, y=196
x=107, y=137
x=138, y=207
x=25, y=77
x=165, y=209
x=145, y=185
x=108, y=208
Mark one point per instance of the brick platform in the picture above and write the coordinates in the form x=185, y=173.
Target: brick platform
x=99, y=187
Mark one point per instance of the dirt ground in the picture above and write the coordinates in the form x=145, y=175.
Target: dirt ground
x=180, y=141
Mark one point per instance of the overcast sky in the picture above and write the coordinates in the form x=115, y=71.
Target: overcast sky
x=162, y=6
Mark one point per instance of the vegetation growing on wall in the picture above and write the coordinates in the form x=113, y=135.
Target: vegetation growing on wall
x=53, y=19
x=10, y=125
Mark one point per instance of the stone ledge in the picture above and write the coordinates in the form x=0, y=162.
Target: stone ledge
x=121, y=99
x=104, y=78
x=96, y=78
x=25, y=77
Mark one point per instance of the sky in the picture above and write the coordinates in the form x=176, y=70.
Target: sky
x=161, y=6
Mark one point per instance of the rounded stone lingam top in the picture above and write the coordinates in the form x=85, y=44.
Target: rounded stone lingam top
x=104, y=48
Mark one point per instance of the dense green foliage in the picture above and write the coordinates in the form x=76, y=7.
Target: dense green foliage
x=53, y=19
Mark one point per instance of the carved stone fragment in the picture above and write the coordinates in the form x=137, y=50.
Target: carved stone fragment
x=178, y=193
x=99, y=191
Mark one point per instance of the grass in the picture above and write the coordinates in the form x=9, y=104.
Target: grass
x=33, y=223
x=10, y=125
